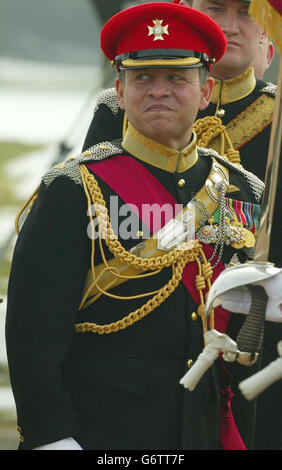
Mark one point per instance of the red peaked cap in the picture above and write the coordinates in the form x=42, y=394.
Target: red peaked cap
x=162, y=34
x=177, y=1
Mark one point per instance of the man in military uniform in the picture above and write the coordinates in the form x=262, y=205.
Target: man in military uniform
x=105, y=310
x=245, y=105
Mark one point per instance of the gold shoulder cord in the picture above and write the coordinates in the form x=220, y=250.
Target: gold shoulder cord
x=212, y=133
x=210, y=127
x=29, y=203
x=176, y=259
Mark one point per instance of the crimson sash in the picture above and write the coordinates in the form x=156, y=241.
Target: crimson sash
x=136, y=186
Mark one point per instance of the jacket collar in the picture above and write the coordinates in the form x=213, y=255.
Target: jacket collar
x=234, y=89
x=158, y=155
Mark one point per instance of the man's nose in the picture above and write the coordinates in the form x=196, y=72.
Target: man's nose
x=160, y=88
x=230, y=23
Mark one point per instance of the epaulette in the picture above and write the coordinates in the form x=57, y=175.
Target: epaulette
x=269, y=89
x=108, y=98
x=70, y=167
x=256, y=185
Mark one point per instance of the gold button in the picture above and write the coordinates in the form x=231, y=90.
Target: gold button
x=220, y=112
x=139, y=234
x=194, y=316
x=181, y=183
x=189, y=363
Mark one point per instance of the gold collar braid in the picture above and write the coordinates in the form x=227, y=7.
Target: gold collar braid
x=233, y=89
x=176, y=259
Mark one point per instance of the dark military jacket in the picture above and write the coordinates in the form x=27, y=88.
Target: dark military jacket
x=248, y=107
x=119, y=390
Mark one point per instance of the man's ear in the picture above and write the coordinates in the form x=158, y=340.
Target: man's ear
x=270, y=53
x=120, y=93
x=206, y=91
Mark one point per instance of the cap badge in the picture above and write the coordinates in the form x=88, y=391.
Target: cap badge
x=158, y=30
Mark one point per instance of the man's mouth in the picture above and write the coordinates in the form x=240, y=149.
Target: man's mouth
x=233, y=44
x=158, y=108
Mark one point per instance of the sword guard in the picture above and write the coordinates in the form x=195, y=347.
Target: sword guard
x=250, y=337
x=247, y=358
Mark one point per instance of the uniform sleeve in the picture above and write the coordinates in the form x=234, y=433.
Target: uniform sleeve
x=45, y=287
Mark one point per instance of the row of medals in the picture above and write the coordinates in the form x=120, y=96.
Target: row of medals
x=236, y=234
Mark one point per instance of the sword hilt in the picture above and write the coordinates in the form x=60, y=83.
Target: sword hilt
x=250, y=337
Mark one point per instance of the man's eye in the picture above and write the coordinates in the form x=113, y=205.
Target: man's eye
x=214, y=9
x=143, y=77
x=176, y=78
x=244, y=12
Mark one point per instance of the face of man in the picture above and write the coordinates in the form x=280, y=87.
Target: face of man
x=162, y=104
x=243, y=34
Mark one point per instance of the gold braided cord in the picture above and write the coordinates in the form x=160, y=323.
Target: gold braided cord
x=29, y=203
x=104, y=229
x=207, y=129
x=176, y=259
x=110, y=237
x=141, y=312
